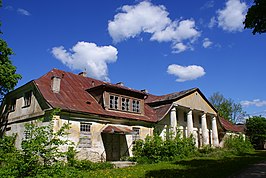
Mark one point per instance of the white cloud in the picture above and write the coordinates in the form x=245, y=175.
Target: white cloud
x=23, y=12
x=179, y=47
x=206, y=43
x=185, y=73
x=255, y=102
x=89, y=56
x=177, y=32
x=149, y=18
x=212, y=22
x=143, y=17
x=232, y=16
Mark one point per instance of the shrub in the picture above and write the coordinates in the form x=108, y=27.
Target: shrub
x=155, y=149
x=238, y=145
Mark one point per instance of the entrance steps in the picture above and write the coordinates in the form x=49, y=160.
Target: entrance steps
x=121, y=164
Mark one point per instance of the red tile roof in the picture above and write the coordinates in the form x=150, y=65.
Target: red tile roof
x=74, y=97
x=229, y=126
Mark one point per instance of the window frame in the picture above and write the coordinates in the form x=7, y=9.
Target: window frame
x=136, y=107
x=136, y=135
x=27, y=98
x=13, y=103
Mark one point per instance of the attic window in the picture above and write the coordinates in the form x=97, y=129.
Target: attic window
x=113, y=102
x=27, y=98
x=13, y=104
x=125, y=104
x=135, y=106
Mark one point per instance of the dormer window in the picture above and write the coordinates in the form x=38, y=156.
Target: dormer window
x=27, y=98
x=13, y=104
x=125, y=104
x=113, y=102
x=135, y=106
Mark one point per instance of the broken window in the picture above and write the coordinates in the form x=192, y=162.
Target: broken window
x=85, y=135
x=27, y=98
x=113, y=102
x=135, y=106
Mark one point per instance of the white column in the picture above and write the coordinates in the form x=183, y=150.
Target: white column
x=189, y=123
x=205, y=134
x=215, y=133
x=173, y=122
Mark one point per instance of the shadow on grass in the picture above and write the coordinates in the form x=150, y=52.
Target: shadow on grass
x=209, y=167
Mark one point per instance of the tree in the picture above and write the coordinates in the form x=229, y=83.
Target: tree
x=256, y=17
x=256, y=130
x=227, y=108
x=8, y=76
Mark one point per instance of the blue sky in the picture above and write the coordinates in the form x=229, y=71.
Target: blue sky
x=161, y=46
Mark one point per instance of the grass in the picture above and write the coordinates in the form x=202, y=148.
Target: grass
x=196, y=167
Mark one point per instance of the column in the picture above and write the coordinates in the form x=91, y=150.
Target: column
x=189, y=123
x=173, y=122
x=215, y=133
x=205, y=134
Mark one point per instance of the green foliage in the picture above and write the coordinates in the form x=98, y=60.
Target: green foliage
x=256, y=17
x=238, y=145
x=154, y=149
x=41, y=154
x=256, y=130
x=8, y=76
x=227, y=108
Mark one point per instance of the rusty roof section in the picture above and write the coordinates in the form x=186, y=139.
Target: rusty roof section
x=162, y=110
x=118, y=130
x=169, y=97
x=229, y=126
x=73, y=96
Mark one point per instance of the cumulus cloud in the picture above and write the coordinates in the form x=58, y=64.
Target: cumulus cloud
x=185, y=73
x=255, y=102
x=89, y=56
x=153, y=19
x=206, y=43
x=179, y=47
x=232, y=16
x=23, y=12
x=132, y=20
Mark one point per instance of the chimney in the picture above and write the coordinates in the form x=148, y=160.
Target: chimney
x=83, y=74
x=120, y=84
x=55, y=84
x=144, y=91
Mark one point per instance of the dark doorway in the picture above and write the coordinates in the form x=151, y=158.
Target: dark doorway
x=115, y=146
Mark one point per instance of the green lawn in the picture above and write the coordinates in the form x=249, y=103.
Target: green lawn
x=197, y=167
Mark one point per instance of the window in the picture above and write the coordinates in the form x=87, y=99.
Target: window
x=85, y=135
x=27, y=134
x=125, y=104
x=13, y=104
x=200, y=120
x=27, y=98
x=185, y=116
x=84, y=127
x=136, y=135
x=113, y=102
x=135, y=106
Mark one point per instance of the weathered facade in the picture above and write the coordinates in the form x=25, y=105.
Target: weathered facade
x=107, y=118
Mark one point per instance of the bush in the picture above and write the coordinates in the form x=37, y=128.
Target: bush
x=154, y=149
x=238, y=145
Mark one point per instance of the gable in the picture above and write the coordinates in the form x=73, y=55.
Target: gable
x=196, y=101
